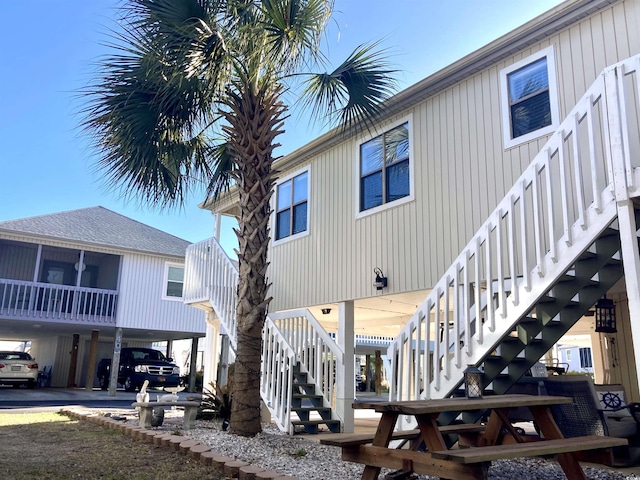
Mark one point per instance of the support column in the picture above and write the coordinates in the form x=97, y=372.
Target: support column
x=168, y=353
x=378, y=373
x=91, y=367
x=223, y=366
x=210, y=350
x=631, y=263
x=600, y=361
x=115, y=363
x=345, y=388
x=73, y=362
x=192, y=364
x=216, y=228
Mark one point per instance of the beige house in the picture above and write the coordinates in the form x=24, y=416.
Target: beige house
x=489, y=212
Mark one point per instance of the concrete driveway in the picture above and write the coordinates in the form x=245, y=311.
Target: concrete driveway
x=12, y=399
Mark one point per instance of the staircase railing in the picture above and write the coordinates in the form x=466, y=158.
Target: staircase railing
x=558, y=206
x=315, y=350
x=211, y=276
x=276, y=385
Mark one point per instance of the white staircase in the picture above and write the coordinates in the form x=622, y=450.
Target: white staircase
x=545, y=255
x=299, y=357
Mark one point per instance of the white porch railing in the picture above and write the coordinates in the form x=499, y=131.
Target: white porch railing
x=561, y=203
x=57, y=302
x=211, y=277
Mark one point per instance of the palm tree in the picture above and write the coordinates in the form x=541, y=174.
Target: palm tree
x=194, y=94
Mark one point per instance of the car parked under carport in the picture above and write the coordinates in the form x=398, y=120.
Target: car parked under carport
x=18, y=368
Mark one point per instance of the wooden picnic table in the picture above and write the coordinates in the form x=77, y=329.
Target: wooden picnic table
x=497, y=440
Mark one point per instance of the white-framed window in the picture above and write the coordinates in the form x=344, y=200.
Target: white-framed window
x=292, y=205
x=173, y=281
x=529, y=95
x=385, y=170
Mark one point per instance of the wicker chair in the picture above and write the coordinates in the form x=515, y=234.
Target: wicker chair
x=584, y=416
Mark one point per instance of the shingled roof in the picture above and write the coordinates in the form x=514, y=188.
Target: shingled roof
x=99, y=226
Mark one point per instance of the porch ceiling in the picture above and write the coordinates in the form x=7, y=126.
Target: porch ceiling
x=24, y=330
x=384, y=315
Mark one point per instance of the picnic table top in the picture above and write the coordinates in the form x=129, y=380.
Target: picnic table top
x=455, y=404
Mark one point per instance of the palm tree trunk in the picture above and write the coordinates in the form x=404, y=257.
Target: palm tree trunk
x=255, y=120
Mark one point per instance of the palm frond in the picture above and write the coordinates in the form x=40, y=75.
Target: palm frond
x=222, y=176
x=353, y=94
x=294, y=29
x=153, y=100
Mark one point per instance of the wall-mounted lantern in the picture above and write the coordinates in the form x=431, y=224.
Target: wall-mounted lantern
x=381, y=281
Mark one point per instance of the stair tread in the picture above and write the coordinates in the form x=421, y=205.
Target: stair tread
x=315, y=422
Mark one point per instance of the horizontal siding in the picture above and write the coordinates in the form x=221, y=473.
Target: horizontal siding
x=461, y=170
x=140, y=303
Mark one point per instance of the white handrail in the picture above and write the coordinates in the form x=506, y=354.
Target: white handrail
x=211, y=276
x=276, y=385
x=315, y=350
x=560, y=203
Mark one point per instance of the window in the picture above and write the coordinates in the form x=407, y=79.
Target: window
x=529, y=99
x=291, y=212
x=385, y=168
x=585, y=358
x=174, y=281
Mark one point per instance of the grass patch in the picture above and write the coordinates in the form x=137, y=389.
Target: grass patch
x=53, y=446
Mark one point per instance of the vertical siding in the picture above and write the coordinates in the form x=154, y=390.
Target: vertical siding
x=140, y=303
x=461, y=172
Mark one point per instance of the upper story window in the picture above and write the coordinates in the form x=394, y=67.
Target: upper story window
x=174, y=281
x=292, y=197
x=529, y=98
x=385, y=174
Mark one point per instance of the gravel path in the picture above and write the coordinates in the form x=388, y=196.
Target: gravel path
x=308, y=460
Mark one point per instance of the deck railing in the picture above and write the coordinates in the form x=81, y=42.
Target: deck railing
x=561, y=203
x=57, y=302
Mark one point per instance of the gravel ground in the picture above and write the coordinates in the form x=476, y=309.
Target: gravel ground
x=308, y=460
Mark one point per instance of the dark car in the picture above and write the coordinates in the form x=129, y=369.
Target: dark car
x=138, y=365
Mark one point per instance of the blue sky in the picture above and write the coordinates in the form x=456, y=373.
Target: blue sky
x=47, y=52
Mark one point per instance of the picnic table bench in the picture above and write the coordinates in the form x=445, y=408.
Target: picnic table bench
x=498, y=440
x=467, y=432
x=188, y=419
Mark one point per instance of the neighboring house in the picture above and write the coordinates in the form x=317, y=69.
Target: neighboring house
x=75, y=282
x=488, y=212
x=575, y=358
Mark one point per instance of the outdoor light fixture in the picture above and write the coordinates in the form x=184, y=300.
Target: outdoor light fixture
x=606, y=316
x=326, y=311
x=472, y=382
x=380, y=281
